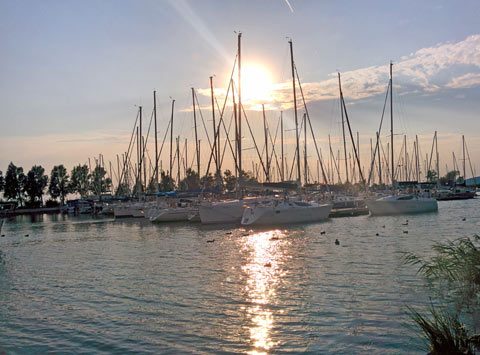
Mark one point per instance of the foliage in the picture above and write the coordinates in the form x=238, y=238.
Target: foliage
x=445, y=333
x=207, y=181
x=432, y=176
x=59, y=183
x=35, y=184
x=2, y=181
x=123, y=190
x=80, y=181
x=450, y=178
x=51, y=203
x=14, y=183
x=230, y=180
x=99, y=183
x=166, y=182
x=190, y=182
x=457, y=261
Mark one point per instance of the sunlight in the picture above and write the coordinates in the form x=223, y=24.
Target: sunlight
x=257, y=84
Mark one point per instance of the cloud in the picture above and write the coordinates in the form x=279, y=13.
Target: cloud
x=442, y=67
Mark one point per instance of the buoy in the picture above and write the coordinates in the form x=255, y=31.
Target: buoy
x=377, y=234
x=464, y=219
x=210, y=241
x=405, y=232
x=322, y=232
x=26, y=235
x=3, y=235
x=337, y=242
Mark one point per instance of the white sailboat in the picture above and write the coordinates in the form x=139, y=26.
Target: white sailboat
x=399, y=204
x=283, y=211
x=177, y=214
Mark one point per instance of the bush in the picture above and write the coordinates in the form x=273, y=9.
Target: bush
x=52, y=203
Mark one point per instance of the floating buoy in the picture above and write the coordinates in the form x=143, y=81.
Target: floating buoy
x=377, y=234
x=3, y=235
x=26, y=235
x=210, y=241
x=464, y=219
x=405, y=232
x=337, y=242
x=322, y=232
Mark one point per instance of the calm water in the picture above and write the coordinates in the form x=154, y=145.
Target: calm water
x=99, y=285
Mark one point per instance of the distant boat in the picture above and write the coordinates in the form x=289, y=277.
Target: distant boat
x=177, y=214
x=402, y=204
x=224, y=212
x=283, y=211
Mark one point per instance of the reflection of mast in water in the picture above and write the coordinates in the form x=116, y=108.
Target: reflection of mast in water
x=263, y=276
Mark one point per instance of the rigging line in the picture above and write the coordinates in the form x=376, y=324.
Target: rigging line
x=294, y=158
x=129, y=146
x=161, y=148
x=254, y=141
x=228, y=138
x=400, y=155
x=379, y=134
x=274, y=153
x=146, y=140
x=332, y=156
x=203, y=121
x=311, y=128
x=471, y=168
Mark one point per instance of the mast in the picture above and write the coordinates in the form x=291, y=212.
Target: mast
x=239, y=140
x=141, y=150
x=267, y=175
x=406, y=159
x=236, y=128
x=305, y=168
x=343, y=126
x=379, y=162
x=391, y=126
x=464, y=171
x=171, y=140
x=417, y=161
x=216, y=147
x=438, y=163
x=196, y=136
x=178, y=161
x=156, y=144
x=295, y=111
x=283, y=158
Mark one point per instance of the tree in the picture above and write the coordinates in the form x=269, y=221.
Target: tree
x=59, y=183
x=432, y=176
x=80, y=181
x=2, y=181
x=14, y=183
x=123, y=190
x=230, y=180
x=99, y=182
x=450, y=178
x=35, y=184
x=166, y=182
x=207, y=181
x=191, y=181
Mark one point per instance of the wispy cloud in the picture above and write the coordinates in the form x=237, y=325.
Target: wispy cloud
x=442, y=67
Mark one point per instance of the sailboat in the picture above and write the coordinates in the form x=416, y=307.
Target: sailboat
x=405, y=203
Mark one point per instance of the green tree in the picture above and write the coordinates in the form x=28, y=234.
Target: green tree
x=166, y=182
x=208, y=181
x=123, y=190
x=230, y=180
x=2, y=181
x=35, y=184
x=14, y=183
x=432, y=176
x=191, y=181
x=59, y=183
x=80, y=181
x=100, y=183
x=450, y=178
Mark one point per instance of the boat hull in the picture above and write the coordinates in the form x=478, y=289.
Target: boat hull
x=222, y=212
x=172, y=215
x=384, y=208
x=277, y=215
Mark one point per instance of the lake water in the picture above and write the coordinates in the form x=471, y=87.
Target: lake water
x=85, y=285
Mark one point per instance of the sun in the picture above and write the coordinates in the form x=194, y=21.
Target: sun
x=257, y=84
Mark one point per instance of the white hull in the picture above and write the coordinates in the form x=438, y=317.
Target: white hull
x=135, y=210
x=393, y=206
x=222, y=212
x=285, y=212
x=173, y=215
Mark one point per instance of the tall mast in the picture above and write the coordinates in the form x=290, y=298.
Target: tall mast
x=215, y=133
x=343, y=126
x=281, y=134
x=438, y=163
x=417, y=161
x=178, y=161
x=267, y=175
x=391, y=125
x=156, y=144
x=196, y=136
x=235, y=117
x=305, y=168
x=239, y=141
x=464, y=172
x=141, y=149
x=171, y=140
x=295, y=110
x=406, y=160
x=379, y=162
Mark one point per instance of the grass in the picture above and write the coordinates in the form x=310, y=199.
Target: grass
x=445, y=333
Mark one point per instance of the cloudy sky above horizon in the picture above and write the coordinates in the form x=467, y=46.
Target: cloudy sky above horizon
x=74, y=72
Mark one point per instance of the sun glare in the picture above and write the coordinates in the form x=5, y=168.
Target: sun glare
x=257, y=84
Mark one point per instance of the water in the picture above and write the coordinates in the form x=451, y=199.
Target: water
x=78, y=284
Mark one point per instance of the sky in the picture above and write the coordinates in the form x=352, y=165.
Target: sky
x=73, y=73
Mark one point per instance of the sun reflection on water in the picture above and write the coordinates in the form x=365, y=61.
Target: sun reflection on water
x=264, y=269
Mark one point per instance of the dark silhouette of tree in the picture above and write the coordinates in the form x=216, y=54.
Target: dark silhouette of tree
x=2, y=181
x=123, y=190
x=432, y=176
x=450, y=178
x=14, y=183
x=35, y=184
x=208, y=181
x=59, y=183
x=230, y=180
x=190, y=182
x=166, y=182
x=99, y=183
x=80, y=180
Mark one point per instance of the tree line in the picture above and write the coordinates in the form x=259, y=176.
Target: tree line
x=28, y=189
